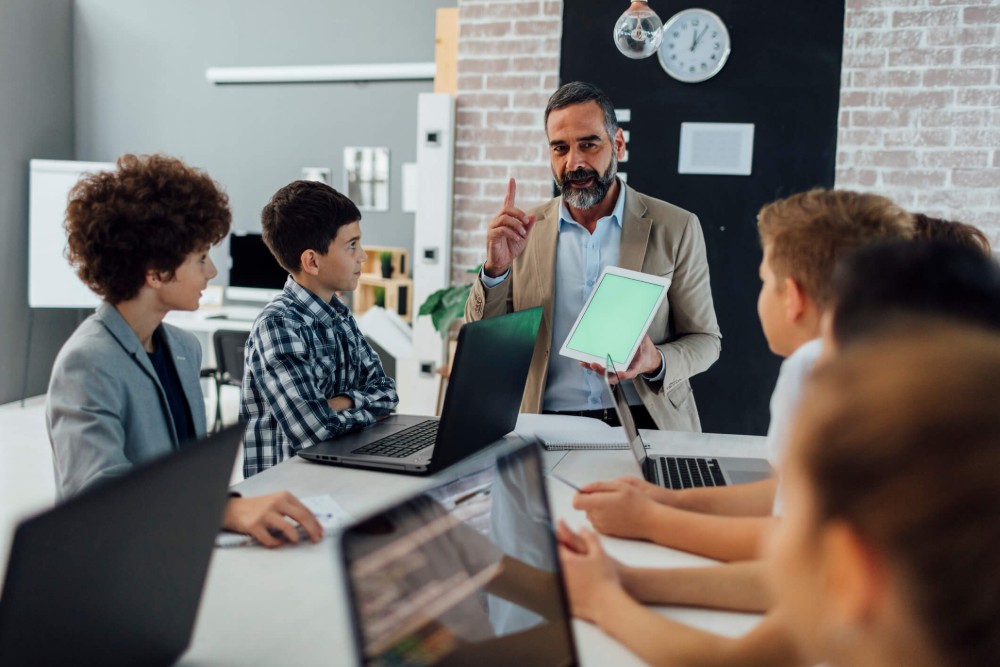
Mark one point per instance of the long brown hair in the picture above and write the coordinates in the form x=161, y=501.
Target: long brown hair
x=901, y=439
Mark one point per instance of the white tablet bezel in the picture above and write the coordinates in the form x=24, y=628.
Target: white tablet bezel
x=662, y=281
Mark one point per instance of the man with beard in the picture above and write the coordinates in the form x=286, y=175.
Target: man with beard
x=552, y=256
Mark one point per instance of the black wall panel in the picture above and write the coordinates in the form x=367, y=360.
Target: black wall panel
x=783, y=75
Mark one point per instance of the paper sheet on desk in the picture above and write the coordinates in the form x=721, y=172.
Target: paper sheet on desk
x=327, y=511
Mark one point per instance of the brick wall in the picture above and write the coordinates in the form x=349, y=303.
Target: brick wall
x=508, y=65
x=919, y=121
x=920, y=106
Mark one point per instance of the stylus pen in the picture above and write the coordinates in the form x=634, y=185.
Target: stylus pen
x=563, y=480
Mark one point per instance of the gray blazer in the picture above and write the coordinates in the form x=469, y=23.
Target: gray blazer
x=106, y=410
x=657, y=238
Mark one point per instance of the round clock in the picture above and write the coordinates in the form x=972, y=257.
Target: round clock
x=695, y=45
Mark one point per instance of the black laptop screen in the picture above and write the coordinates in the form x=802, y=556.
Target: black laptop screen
x=465, y=574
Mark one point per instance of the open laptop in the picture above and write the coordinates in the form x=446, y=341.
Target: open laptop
x=114, y=576
x=484, y=395
x=681, y=471
x=464, y=574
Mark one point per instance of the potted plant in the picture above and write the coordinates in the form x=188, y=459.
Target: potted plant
x=385, y=259
x=378, y=294
x=447, y=306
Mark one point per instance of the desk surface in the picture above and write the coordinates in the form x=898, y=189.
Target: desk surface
x=288, y=606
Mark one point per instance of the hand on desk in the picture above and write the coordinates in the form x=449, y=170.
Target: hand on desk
x=654, y=491
x=617, y=508
x=592, y=577
x=646, y=362
x=263, y=518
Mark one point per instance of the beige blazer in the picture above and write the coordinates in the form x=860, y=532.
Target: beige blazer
x=657, y=238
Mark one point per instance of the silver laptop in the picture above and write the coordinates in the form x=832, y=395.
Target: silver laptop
x=484, y=394
x=681, y=471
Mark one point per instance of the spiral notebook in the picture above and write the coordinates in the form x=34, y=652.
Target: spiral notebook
x=562, y=432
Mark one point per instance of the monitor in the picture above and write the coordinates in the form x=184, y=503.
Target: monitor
x=251, y=264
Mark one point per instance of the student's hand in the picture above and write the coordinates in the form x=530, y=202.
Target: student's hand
x=507, y=235
x=340, y=402
x=591, y=576
x=620, y=511
x=263, y=518
x=646, y=362
x=655, y=491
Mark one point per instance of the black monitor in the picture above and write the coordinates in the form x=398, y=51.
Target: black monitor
x=251, y=264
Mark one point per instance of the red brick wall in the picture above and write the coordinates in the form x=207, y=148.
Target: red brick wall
x=919, y=121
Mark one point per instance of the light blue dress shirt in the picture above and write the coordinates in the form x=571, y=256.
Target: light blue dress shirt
x=580, y=258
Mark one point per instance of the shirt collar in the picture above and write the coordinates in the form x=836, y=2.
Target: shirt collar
x=617, y=214
x=316, y=307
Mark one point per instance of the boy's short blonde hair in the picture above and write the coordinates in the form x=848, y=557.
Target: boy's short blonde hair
x=806, y=234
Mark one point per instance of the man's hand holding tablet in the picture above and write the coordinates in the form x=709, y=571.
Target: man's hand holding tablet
x=647, y=361
x=614, y=322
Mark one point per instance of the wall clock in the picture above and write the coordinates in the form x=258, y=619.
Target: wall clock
x=695, y=45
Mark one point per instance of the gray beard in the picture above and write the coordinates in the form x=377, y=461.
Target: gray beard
x=594, y=195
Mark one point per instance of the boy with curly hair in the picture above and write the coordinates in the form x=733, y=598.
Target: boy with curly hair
x=125, y=387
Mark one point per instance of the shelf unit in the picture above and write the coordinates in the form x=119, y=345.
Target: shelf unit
x=398, y=288
x=373, y=265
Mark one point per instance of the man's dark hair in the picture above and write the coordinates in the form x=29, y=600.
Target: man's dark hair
x=304, y=215
x=578, y=92
x=881, y=283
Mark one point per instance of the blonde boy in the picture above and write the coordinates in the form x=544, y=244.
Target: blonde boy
x=803, y=237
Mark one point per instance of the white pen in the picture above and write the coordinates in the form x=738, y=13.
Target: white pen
x=563, y=480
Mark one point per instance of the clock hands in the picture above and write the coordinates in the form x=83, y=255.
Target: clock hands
x=697, y=38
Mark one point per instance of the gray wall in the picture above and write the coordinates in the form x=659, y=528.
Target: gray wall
x=36, y=121
x=140, y=80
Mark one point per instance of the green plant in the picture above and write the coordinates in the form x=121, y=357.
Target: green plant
x=447, y=305
x=385, y=259
x=378, y=293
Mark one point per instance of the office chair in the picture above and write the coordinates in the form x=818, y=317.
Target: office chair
x=228, y=371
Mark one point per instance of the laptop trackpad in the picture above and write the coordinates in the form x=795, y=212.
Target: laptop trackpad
x=746, y=476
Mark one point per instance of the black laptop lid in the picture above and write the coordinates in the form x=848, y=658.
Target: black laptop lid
x=114, y=576
x=464, y=574
x=486, y=384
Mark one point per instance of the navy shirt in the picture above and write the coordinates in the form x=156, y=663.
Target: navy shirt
x=167, y=372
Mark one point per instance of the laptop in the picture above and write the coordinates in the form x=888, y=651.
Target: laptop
x=114, y=576
x=681, y=471
x=464, y=574
x=481, y=405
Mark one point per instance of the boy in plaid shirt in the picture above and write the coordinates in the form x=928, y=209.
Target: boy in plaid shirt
x=309, y=373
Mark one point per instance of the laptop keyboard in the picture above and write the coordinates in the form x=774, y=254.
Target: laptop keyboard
x=402, y=444
x=685, y=473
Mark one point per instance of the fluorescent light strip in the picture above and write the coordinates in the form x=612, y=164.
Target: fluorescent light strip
x=322, y=73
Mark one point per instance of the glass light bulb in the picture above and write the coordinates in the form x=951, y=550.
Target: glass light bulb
x=639, y=31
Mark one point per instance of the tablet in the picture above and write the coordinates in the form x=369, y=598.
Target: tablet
x=616, y=316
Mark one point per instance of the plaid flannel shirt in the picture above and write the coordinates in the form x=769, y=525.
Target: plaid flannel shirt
x=301, y=352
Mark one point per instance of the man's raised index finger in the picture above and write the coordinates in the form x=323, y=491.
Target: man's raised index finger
x=508, y=201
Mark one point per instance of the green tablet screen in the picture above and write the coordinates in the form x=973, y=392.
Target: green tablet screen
x=615, y=318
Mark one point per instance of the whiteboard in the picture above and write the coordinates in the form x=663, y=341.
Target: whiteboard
x=52, y=282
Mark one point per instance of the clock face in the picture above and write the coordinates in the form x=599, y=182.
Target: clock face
x=695, y=45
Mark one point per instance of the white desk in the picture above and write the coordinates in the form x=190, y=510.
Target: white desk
x=206, y=321
x=288, y=606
